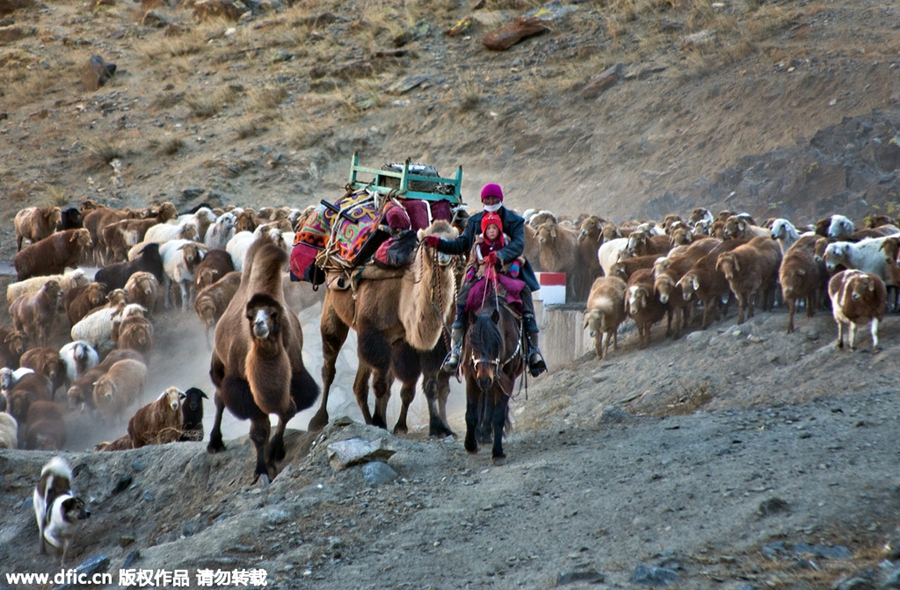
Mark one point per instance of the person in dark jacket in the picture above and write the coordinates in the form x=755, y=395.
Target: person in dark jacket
x=514, y=228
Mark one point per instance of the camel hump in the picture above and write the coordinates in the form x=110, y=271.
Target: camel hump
x=441, y=228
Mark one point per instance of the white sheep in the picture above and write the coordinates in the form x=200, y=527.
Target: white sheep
x=238, y=246
x=865, y=255
x=78, y=356
x=840, y=227
x=202, y=219
x=9, y=430
x=180, y=260
x=609, y=253
x=218, y=234
x=164, y=232
x=9, y=378
x=68, y=280
x=96, y=328
x=784, y=232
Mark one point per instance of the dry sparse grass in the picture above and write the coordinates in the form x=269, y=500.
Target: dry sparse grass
x=169, y=146
x=303, y=131
x=158, y=48
x=26, y=87
x=250, y=126
x=687, y=400
x=101, y=152
x=468, y=94
x=267, y=97
x=54, y=196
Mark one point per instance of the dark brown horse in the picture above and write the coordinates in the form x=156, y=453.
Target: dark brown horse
x=492, y=359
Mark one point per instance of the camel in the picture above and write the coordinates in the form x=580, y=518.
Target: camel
x=257, y=362
x=411, y=308
x=560, y=253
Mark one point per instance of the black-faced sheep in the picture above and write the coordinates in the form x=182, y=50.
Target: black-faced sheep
x=115, y=276
x=857, y=298
x=69, y=218
x=51, y=255
x=192, y=415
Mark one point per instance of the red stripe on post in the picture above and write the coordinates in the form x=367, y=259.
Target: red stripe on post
x=550, y=279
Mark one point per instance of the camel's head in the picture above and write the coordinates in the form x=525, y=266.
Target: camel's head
x=442, y=229
x=264, y=314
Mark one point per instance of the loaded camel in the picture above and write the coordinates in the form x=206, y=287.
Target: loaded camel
x=257, y=362
x=386, y=313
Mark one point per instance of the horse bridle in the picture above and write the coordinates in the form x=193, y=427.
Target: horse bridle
x=496, y=362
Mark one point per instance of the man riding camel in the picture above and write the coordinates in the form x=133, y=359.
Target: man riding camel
x=512, y=245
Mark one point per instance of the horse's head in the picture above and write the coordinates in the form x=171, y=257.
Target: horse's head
x=486, y=347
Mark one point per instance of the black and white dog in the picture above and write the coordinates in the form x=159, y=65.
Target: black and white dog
x=56, y=508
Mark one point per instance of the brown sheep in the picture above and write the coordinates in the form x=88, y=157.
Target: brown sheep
x=560, y=253
x=589, y=241
x=35, y=223
x=741, y=227
x=118, y=237
x=643, y=306
x=212, y=301
x=626, y=267
x=80, y=393
x=28, y=389
x=135, y=333
x=36, y=315
x=215, y=264
x=80, y=301
x=97, y=219
x=158, y=422
x=857, y=298
x=12, y=345
x=123, y=443
x=47, y=362
x=751, y=268
x=605, y=312
x=642, y=243
x=802, y=277
x=706, y=284
x=45, y=428
x=143, y=288
x=51, y=255
x=246, y=221
x=119, y=388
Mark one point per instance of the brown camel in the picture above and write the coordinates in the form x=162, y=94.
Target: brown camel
x=409, y=309
x=257, y=363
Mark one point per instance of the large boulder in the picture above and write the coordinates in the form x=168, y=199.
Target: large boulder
x=510, y=34
x=95, y=73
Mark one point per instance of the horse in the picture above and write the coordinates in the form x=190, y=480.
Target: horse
x=492, y=359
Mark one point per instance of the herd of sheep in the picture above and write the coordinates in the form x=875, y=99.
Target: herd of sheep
x=82, y=343
x=674, y=269
x=92, y=337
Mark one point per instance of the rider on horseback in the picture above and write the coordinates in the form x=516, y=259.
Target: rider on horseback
x=497, y=251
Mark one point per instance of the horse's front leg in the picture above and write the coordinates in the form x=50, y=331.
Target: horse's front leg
x=498, y=422
x=473, y=403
